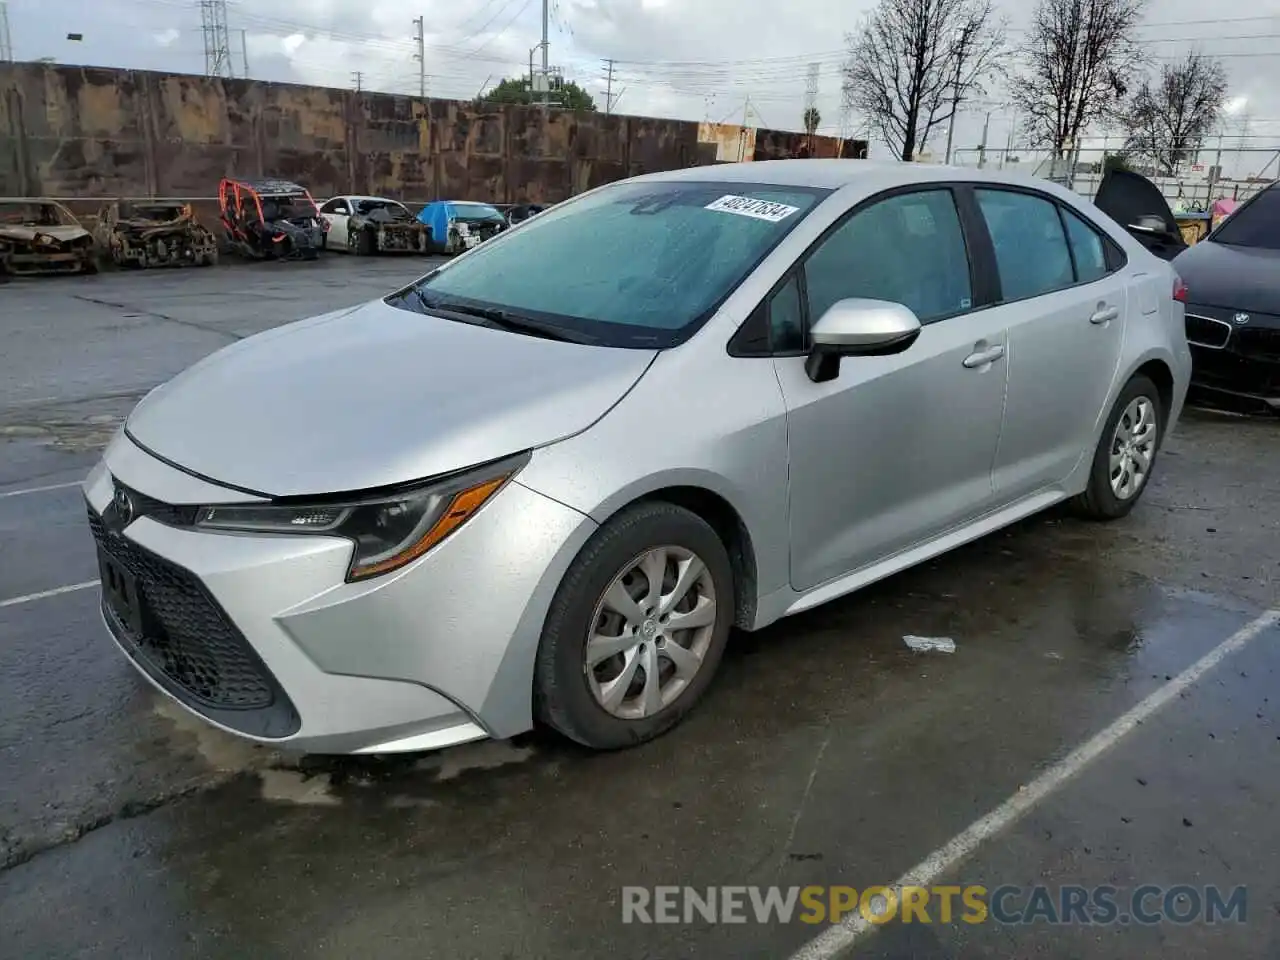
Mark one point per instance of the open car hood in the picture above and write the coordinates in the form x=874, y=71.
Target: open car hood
x=1127, y=197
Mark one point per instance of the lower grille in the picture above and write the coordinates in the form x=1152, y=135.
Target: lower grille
x=188, y=641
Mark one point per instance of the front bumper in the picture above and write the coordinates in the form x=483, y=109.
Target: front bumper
x=262, y=636
x=1234, y=365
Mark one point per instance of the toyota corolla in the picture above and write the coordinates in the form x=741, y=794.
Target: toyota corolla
x=543, y=482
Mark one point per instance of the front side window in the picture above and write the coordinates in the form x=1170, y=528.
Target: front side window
x=634, y=264
x=1031, y=247
x=908, y=249
x=1256, y=224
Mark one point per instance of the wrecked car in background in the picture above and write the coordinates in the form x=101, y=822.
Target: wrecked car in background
x=154, y=233
x=43, y=236
x=458, y=225
x=520, y=212
x=365, y=225
x=271, y=219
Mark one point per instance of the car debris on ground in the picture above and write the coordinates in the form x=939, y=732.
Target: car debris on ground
x=930, y=644
x=154, y=233
x=42, y=236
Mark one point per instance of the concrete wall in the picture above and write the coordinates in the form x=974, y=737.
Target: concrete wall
x=87, y=132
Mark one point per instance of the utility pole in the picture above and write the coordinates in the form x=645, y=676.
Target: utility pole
x=358, y=78
x=6, y=38
x=421, y=56
x=982, y=147
x=959, y=51
x=217, y=48
x=244, y=52
x=608, y=89
x=546, y=76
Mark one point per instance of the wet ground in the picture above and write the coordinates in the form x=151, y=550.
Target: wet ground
x=827, y=753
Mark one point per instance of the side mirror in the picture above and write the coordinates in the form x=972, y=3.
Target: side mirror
x=858, y=328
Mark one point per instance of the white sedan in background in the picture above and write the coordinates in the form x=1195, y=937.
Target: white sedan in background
x=366, y=225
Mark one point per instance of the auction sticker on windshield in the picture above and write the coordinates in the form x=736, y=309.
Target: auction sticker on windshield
x=750, y=207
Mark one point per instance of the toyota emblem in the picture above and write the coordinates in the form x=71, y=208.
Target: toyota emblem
x=123, y=506
x=1242, y=318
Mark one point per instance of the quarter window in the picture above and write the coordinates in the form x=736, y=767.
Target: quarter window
x=1030, y=244
x=907, y=249
x=786, y=319
x=1086, y=247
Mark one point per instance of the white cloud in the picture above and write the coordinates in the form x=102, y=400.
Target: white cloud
x=166, y=37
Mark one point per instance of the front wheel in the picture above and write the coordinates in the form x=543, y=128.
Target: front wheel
x=1126, y=453
x=637, y=628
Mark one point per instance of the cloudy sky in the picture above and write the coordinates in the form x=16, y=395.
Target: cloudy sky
x=693, y=59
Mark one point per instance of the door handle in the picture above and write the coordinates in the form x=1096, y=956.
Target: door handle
x=984, y=357
x=1105, y=315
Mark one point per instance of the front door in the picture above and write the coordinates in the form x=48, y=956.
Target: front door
x=338, y=214
x=1065, y=307
x=896, y=449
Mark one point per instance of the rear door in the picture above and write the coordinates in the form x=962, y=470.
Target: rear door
x=896, y=449
x=1064, y=299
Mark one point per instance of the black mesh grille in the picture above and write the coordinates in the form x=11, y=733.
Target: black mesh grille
x=1207, y=332
x=186, y=636
x=1260, y=343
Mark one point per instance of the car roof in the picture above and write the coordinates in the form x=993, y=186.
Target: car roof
x=357, y=196
x=834, y=174
x=271, y=186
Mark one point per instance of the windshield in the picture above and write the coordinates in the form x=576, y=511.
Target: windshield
x=366, y=207
x=35, y=214
x=475, y=211
x=634, y=264
x=1256, y=224
x=287, y=208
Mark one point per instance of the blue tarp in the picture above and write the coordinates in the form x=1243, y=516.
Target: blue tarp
x=436, y=216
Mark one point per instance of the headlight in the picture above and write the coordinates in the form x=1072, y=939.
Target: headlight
x=388, y=530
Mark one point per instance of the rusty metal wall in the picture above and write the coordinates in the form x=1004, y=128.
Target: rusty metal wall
x=89, y=132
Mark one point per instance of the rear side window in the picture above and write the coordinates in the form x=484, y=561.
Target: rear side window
x=908, y=248
x=1030, y=243
x=1087, y=248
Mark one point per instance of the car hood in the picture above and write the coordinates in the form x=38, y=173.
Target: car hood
x=375, y=396
x=23, y=231
x=1233, y=278
x=1125, y=196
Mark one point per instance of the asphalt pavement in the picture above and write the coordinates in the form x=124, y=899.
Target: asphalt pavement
x=1064, y=742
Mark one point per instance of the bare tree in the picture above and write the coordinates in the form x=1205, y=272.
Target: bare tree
x=1168, y=119
x=914, y=61
x=1079, y=58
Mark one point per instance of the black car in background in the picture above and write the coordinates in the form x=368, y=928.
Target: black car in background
x=1233, y=289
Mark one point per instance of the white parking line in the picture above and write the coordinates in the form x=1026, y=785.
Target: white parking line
x=835, y=940
x=52, y=486
x=56, y=591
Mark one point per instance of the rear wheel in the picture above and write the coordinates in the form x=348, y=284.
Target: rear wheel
x=637, y=628
x=1126, y=453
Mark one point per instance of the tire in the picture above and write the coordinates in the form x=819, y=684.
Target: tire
x=365, y=244
x=564, y=694
x=1100, y=500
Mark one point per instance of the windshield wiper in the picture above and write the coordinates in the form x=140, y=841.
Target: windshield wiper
x=504, y=319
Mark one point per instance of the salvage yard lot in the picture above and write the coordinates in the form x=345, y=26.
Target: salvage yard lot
x=826, y=753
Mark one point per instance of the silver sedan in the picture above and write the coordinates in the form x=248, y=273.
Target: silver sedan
x=545, y=481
